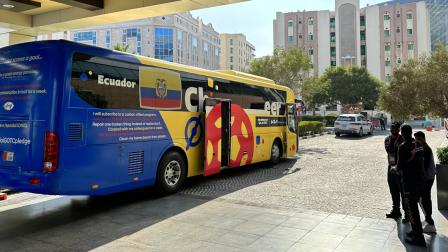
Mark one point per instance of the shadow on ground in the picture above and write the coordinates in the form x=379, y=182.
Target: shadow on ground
x=85, y=223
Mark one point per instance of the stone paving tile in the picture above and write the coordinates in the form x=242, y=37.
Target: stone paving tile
x=312, y=215
x=301, y=223
x=253, y=227
x=354, y=245
x=124, y=246
x=287, y=233
x=270, y=218
x=223, y=222
x=369, y=234
x=235, y=239
x=322, y=240
x=301, y=247
x=271, y=244
x=343, y=219
x=334, y=228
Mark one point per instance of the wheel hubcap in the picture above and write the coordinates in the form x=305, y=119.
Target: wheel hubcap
x=172, y=173
x=275, y=152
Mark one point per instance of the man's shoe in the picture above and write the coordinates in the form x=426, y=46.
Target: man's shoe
x=393, y=215
x=416, y=241
x=429, y=229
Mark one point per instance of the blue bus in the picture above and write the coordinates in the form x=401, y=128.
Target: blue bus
x=82, y=120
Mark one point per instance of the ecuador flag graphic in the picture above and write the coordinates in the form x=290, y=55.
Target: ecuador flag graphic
x=160, y=89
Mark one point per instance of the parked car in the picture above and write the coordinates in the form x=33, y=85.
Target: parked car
x=353, y=124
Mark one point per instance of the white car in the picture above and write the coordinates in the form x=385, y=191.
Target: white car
x=352, y=124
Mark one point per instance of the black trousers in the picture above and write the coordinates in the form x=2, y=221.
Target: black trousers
x=396, y=191
x=426, y=199
x=412, y=199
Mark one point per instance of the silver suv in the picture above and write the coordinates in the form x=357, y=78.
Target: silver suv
x=352, y=124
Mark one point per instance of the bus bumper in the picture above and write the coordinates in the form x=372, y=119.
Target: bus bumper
x=23, y=181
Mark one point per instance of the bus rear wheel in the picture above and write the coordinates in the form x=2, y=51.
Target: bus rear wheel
x=171, y=173
x=276, y=152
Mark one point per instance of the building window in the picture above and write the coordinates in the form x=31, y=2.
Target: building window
x=310, y=51
x=386, y=33
x=333, y=63
x=333, y=51
x=179, y=45
x=231, y=59
x=300, y=21
x=398, y=46
x=163, y=43
x=231, y=42
x=398, y=14
x=107, y=39
x=363, y=36
x=363, y=50
x=409, y=15
x=231, y=67
x=231, y=50
x=398, y=60
x=386, y=16
x=333, y=37
x=290, y=23
x=363, y=21
x=387, y=63
x=410, y=46
x=310, y=21
x=290, y=39
x=398, y=30
x=310, y=37
x=133, y=33
x=388, y=78
x=410, y=31
x=300, y=36
x=387, y=47
x=332, y=23
x=85, y=37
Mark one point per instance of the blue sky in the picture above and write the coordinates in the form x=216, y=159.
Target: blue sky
x=254, y=18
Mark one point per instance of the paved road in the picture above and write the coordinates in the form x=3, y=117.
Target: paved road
x=345, y=175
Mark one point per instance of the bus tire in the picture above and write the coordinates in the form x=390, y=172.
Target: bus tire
x=171, y=173
x=276, y=151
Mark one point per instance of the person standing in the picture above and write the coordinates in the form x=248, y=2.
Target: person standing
x=411, y=165
x=391, y=144
x=382, y=122
x=430, y=173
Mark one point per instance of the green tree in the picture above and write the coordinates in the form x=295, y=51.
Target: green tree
x=352, y=86
x=315, y=92
x=419, y=87
x=121, y=48
x=286, y=67
x=401, y=96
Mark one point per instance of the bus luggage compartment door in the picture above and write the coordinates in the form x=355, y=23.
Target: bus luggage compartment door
x=217, y=135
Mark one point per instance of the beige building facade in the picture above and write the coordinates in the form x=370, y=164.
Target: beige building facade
x=236, y=52
x=379, y=37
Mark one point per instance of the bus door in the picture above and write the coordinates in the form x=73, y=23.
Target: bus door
x=217, y=135
x=292, y=134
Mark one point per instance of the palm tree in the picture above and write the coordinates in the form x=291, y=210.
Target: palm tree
x=121, y=48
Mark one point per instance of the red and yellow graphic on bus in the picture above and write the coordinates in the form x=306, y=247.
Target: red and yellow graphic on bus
x=242, y=139
x=160, y=89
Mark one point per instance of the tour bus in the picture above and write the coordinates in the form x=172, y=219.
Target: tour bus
x=81, y=120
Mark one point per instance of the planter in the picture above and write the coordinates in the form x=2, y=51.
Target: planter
x=442, y=187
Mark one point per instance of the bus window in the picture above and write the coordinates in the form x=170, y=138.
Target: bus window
x=292, y=122
x=90, y=78
x=254, y=97
x=225, y=89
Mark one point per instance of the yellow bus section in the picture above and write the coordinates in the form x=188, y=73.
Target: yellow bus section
x=186, y=129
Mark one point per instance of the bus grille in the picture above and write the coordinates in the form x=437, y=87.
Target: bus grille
x=75, y=132
x=136, y=162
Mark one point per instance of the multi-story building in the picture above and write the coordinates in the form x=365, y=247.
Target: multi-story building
x=379, y=37
x=438, y=15
x=236, y=52
x=177, y=38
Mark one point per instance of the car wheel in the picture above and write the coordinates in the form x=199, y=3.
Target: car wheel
x=276, y=152
x=171, y=173
x=338, y=134
x=361, y=133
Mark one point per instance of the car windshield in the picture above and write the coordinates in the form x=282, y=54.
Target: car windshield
x=346, y=119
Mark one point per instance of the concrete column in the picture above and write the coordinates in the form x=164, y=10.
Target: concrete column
x=11, y=38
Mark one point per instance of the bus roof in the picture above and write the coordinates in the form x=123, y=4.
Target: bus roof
x=219, y=74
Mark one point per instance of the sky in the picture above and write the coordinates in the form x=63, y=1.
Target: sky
x=255, y=18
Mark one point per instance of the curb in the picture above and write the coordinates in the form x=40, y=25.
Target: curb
x=317, y=135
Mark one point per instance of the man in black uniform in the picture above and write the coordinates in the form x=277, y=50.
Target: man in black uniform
x=391, y=144
x=410, y=165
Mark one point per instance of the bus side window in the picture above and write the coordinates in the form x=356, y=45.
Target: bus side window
x=291, y=119
x=192, y=83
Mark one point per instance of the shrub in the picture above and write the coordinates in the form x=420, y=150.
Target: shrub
x=328, y=120
x=311, y=126
x=442, y=155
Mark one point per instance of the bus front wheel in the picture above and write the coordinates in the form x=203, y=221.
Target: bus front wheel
x=171, y=173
